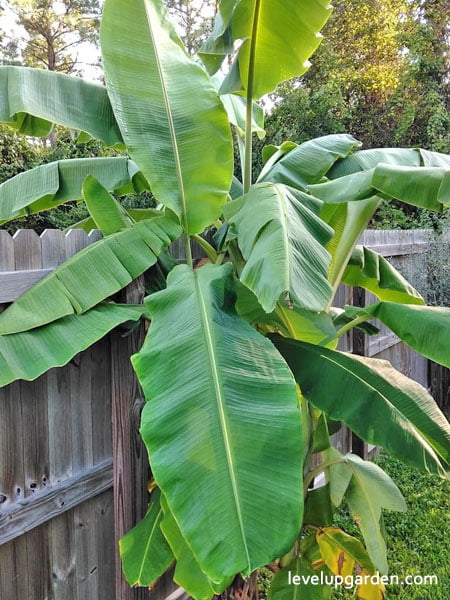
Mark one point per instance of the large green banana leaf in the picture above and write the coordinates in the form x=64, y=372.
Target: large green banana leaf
x=28, y=354
x=98, y=271
x=369, y=270
x=426, y=187
x=144, y=550
x=57, y=182
x=369, y=159
x=187, y=571
x=170, y=115
x=32, y=100
x=424, y=328
x=308, y=162
x=221, y=424
x=377, y=402
x=265, y=59
x=282, y=239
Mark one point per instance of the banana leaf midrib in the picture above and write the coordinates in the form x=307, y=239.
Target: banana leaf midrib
x=149, y=542
x=420, y=437
x=219, y=396
x=170, y=121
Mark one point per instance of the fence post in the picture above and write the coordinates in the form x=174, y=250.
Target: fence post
x=130, y=463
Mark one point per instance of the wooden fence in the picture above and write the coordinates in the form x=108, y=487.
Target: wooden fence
x=72, y=466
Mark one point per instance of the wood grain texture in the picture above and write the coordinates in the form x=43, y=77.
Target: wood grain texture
x=32, y=511
x=131, y=470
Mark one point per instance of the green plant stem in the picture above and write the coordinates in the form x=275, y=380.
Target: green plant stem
x=187, y=247
x=241, y=147
x=313, y=474
x=249, y=111
x=206, y=246
x=281, y=312
x=220, y=258
x=236, y=257
x=356, y=321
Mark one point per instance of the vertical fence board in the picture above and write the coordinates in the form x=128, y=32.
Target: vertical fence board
x=131, y=469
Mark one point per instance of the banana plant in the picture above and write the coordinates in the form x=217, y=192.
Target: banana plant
x=240, y=369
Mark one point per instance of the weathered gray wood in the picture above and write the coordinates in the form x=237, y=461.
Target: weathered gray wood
x=14, y=283
x=52, y=248
x=62, y=556
x=381, y=342
x=104, y=522
x=13, y=556
x=131, y=469
x=76, y=240
x=399, y=249
x=27, y=255
x=86, y=551
x=8, y=576
x=43, y=506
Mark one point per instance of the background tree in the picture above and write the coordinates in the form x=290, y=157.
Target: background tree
x=194, y=20
x=382, y=73
x=50, y=33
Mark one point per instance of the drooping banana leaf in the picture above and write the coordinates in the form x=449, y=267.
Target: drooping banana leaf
x=29, y=354
x=369, y=159
x=370, y=490
x=170, y=115
x=310, y=161
x=87, y=278
x=209, y=447
x=369, y=270
x=426, y=187
x=264, y=26
x=342, y=552
x=282, y=239
x=425, y=328
x=271, y=154
x=49, y=185
x=108, y=214
x=32, y=100
x=377, y=402
x=220, y=42
x=187, y=573
x=434, y=159
x=348, y=220
x=144, y=550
